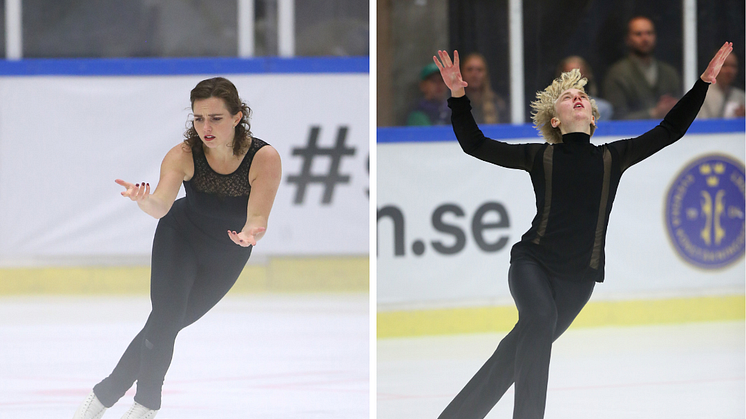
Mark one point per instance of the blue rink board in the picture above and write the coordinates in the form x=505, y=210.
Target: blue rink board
x=620, y=129
x=181, y=66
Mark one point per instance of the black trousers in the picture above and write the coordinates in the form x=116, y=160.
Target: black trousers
x=546, y=308
x=189, y=275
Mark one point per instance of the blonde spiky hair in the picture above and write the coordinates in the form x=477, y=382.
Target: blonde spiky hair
x=543, y=107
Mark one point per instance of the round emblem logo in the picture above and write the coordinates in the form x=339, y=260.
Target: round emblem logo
x=705, y=212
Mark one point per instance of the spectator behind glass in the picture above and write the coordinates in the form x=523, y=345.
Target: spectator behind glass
x=605, y=109
x=432, y=108
x=639, y=86
x=487, y=106
x=723, y=100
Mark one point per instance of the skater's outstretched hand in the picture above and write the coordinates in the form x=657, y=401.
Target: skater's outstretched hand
x=451, y=72
x=136, y=191
x=713, y=69
x=246, y=238
x=173, y=174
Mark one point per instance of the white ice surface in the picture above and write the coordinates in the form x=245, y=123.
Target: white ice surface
x=674, y=371
x=252, y=356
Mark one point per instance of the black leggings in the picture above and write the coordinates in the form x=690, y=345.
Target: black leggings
x=546, y=307
x=189, y=275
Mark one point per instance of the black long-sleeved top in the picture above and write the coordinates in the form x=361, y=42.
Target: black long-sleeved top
x=574, y=182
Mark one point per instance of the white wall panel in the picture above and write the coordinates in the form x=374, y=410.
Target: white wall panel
x=419, y=178
x=63, y=141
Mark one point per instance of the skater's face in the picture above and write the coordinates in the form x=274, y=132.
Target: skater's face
x=574, y=112
x=213, y=122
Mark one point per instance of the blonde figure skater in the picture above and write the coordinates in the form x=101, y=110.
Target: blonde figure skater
x=202, y=241
x=557, y=262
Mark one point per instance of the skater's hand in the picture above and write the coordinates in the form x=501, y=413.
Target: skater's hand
x=451, y=72
x=248, y=237
x=136, y=192
x=713, y=69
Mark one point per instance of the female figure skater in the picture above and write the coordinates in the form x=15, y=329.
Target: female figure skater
x=556, y=264
x=202, y=241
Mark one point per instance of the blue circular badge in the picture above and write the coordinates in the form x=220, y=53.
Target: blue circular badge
x=705, y=212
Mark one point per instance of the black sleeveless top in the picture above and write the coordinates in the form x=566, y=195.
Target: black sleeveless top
x=215, y=202
x=209, y=181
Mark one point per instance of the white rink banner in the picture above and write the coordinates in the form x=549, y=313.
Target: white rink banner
x=447, y=222
x=65, y=139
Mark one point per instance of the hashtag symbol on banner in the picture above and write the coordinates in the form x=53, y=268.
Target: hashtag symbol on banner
x=332, y=177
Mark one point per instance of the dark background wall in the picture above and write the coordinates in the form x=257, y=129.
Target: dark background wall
x=593, y=29
x=552, y=30
x=184, y=28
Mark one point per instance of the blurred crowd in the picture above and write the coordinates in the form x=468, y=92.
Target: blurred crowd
x=638, y=86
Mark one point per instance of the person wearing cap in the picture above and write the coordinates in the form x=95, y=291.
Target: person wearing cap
x=432, y=107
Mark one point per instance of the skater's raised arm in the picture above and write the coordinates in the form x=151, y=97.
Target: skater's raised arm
x=469, y=136
x=173, y=173
x=677, y=121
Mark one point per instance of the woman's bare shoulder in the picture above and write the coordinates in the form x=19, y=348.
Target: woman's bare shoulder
x=179, y=158
x=266, y=162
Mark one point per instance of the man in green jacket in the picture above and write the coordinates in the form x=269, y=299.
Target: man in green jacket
x=639, y=86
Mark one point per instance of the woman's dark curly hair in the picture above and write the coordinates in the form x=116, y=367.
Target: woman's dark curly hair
x=221, y=88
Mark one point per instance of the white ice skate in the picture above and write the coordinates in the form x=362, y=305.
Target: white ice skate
x=91, y=408
x=138, y=411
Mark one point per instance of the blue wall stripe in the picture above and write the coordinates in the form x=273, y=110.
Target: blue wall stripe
x=180, y=66
x=620, y=129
